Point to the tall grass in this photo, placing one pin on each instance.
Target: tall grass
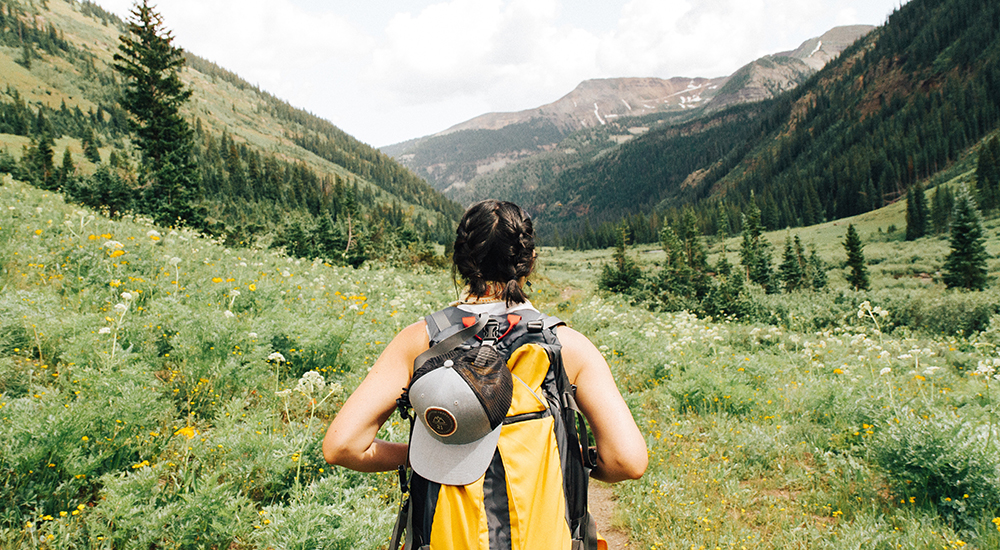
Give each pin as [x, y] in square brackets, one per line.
[160, 390]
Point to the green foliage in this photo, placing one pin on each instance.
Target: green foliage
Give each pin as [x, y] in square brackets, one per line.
[755, 252]
[916, 213]
[154, 94]
[858, 277]
[622, 275]
[942, 464]
[942, 204]
[850, 139]
[105, 190]
[965, 266]
[793, 268]
[988, 174]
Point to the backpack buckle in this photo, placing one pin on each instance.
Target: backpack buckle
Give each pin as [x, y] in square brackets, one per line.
[491, 332]
[535, 326]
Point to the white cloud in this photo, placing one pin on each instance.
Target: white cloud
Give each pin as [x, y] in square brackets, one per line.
[440, 62]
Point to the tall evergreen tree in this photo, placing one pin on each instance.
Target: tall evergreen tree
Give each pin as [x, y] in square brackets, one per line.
[694, 251]
[965, 266]
[622, 274]
[67, 170]
[792, 268]
[90, 146]
[942, 204]
[39, 164]
[916, 212]
[755, 251]
[153, 94]
[816, 270]
[858, 277]
[988, 174]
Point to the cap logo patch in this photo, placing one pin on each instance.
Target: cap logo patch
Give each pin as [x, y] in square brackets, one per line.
[441, 421]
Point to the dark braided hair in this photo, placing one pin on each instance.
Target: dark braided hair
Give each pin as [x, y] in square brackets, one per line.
[495, 247]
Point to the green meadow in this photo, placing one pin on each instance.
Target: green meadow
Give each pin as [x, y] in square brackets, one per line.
[159, 390]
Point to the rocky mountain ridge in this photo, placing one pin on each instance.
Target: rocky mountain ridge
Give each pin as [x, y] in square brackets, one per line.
[615, 109]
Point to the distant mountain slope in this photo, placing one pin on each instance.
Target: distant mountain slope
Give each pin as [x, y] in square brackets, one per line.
[461, 160]
[264, 162]
[895, 108]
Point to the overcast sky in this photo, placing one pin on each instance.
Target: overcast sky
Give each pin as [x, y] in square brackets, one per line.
[389, 70]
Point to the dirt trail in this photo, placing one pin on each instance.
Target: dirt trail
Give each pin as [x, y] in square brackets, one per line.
[601, 500]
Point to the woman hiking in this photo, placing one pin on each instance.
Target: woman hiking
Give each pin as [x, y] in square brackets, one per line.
[496, 455]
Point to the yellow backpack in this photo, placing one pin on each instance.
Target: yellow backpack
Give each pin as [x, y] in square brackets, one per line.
[533, 495]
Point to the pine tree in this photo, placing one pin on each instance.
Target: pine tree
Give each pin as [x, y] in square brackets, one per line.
[722, 266]
[816, 270]
[694, 252]
[39, 164]
[755, 251]
[943, 204]
[792, 269]
[858, 277]
[622, 274]
[68, 168]
[916, 213]
[90, 147]
[965, 266]
[988, 175]
[153, 94]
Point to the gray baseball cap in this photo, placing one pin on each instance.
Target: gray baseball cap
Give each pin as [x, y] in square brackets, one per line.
[460, 400]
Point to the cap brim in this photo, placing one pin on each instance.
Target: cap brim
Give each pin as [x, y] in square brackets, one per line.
[451, 464]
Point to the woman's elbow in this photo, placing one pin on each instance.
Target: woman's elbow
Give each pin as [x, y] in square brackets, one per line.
[335, 451]
[637, 466]
[621, 467]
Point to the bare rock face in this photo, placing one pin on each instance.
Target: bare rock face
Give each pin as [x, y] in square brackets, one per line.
[596, 102]
[453, 158]
[771, 75]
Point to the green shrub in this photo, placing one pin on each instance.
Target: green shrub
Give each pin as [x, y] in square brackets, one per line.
[943, 464]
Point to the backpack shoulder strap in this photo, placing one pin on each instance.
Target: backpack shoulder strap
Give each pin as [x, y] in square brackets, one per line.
[453, 339]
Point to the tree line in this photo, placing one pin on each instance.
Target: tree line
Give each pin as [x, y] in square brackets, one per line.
[184, 175]
[895, 108]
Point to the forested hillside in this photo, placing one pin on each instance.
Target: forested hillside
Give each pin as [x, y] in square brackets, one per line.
[269, 172]
[897, 107]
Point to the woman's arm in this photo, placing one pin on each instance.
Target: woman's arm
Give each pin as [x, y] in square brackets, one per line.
[350, 439]
[621, 449]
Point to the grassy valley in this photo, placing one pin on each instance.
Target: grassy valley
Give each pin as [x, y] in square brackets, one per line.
[158, 388]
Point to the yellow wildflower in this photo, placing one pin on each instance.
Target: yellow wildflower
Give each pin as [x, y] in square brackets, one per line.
[188, 432]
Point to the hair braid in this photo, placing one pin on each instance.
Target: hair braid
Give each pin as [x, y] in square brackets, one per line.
[495, 246]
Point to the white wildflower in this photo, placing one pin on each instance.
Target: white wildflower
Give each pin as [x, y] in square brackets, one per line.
[234, 293]
[229, 314]
[985, 369]
[276, 356]
[884, 371]
[120, 308]
[104, 330]
[905, 356]
[310, 382]
[153, 234]
[174, 261]
[112, 244]
[283, 393]
[126, 296]
[252, 334]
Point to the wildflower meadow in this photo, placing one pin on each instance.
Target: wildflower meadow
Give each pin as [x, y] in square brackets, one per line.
[158, 389]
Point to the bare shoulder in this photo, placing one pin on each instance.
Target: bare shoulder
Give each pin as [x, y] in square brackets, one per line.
[574, 342]
[578, 352]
